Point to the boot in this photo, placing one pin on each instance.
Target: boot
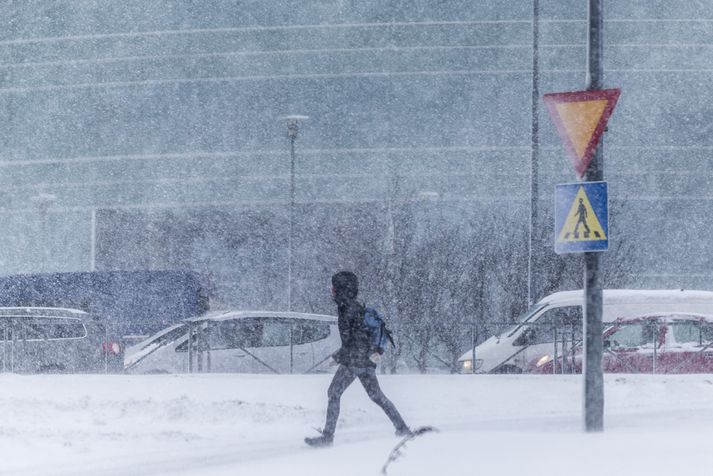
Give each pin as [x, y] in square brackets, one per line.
[324, 439]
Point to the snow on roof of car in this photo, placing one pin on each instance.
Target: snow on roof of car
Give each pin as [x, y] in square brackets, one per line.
[631, 295]
[224, 315]
[669, 317]
[24, 311]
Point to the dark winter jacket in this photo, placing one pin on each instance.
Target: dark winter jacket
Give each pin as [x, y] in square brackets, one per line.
[356, 346]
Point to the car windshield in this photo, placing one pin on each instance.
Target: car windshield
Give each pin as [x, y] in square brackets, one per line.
[524, 317]
[527, 315]
[692, 332]
[166, 337]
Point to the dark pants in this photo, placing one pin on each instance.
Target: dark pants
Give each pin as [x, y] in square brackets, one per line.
[367, 376]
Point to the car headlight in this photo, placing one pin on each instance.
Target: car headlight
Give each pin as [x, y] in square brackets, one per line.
[468, 365]
[543, 360]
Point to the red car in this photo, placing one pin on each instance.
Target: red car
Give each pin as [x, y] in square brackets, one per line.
[670, 343]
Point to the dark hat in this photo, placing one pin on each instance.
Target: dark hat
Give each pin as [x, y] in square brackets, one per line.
[345, 284]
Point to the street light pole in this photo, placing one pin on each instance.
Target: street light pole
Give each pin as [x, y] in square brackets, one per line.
[535, 152]
[93, 242]
[593, 305]
[292, 131]
[44, 201]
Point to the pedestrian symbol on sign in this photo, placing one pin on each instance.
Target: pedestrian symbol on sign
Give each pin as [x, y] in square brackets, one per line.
[581, 217]
[581, 213]
[582, 220]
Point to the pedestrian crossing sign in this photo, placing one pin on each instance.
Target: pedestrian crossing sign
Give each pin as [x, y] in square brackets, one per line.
[581, 217]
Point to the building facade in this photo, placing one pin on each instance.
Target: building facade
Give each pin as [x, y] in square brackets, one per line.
[151, 135]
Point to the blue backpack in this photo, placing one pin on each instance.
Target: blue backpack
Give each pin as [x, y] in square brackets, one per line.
[379, 335]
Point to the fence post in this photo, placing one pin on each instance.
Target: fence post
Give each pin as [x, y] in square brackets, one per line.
[106, 350]
[656, 341]
[4, 347]
[190, 347]
[209, 362]
[12, 349]
[572, 356]
[564, 353]
[292, 346]
[554, 361]
[472, 341]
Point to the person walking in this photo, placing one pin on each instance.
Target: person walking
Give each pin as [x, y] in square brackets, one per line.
[582, 213]
[357, 359]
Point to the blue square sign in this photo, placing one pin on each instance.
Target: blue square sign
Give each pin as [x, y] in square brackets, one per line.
[581, 217]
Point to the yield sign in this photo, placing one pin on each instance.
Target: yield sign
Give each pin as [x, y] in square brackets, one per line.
[580, 118]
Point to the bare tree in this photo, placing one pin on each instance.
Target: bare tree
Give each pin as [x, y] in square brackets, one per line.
[441, 284]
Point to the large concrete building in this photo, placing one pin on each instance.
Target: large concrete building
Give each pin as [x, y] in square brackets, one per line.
[150, 135]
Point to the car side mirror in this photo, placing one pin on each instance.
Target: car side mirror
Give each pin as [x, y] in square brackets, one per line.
[606, 343]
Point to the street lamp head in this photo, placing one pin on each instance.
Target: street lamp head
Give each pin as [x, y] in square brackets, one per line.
[429, 195]
[292, 121]
[43, 199]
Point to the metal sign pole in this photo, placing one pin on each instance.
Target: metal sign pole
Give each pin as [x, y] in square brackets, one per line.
[535, 140]
[592, 371]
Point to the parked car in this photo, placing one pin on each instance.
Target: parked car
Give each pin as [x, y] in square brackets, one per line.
[46, 339]
[239, 341]
[558, 318]
[673, 343]
[130, 303]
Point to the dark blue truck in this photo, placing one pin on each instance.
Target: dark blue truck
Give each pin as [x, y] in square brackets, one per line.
[128, 303]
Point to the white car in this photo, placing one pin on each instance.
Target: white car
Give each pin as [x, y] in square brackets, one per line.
[53, 340]
[241, 342]
[558, 318]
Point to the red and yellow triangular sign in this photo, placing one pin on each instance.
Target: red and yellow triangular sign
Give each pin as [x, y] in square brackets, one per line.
[580, 118]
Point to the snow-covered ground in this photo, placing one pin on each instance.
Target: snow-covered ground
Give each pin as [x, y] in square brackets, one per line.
[212, 425]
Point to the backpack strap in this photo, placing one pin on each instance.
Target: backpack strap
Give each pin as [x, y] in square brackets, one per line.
[389, 334]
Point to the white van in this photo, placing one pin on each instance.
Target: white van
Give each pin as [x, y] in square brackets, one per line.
[239, 342]
[558, 317]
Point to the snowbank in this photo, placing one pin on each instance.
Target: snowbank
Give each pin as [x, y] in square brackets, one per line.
[211, 425]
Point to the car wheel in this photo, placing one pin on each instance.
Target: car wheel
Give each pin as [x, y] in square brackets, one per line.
[51, 368]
